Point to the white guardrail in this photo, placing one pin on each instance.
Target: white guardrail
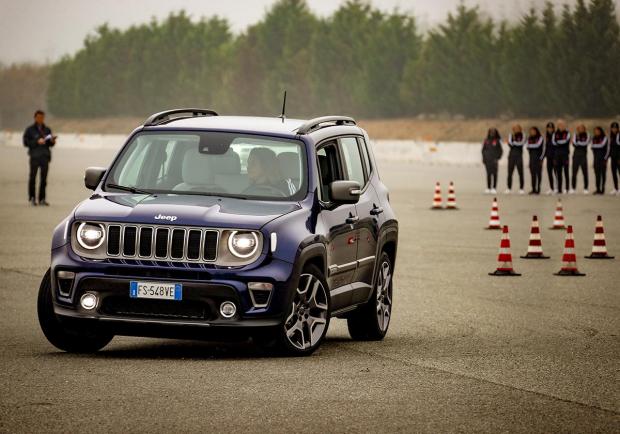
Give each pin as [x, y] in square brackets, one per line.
[461, 153]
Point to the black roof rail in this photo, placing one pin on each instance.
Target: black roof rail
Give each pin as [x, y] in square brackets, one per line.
[315, 124]
[164, 117]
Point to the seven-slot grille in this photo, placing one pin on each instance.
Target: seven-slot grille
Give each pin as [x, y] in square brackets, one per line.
[162, 243]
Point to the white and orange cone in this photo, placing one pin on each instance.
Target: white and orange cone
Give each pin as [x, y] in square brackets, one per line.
[494, 219]
[451, 203]
[534, 247]
[599, 247]
[504, 259]
[437, 203]
[569, 259]
[558, 218]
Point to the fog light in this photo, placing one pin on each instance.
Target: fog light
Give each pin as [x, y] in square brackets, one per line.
[228, 309]
[89, 301]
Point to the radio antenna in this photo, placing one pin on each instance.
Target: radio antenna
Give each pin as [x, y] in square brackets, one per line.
[283, 115]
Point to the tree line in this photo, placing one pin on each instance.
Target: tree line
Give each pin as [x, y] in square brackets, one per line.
[359, 61]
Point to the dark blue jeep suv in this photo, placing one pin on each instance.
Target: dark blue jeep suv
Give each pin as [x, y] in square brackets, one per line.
[218, 227]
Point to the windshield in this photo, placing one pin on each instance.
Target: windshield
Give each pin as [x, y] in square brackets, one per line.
[211, 163]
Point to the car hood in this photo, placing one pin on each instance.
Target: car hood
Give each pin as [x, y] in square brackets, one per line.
[183, 210]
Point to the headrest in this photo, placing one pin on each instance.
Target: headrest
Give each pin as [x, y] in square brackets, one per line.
[289, 164]
[225, 164]
[196, 168]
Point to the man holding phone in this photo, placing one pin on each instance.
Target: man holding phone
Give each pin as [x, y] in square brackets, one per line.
[38, 139]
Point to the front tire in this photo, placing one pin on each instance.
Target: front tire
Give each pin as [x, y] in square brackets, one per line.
[307, 317]
[84, 340]
[370, 322]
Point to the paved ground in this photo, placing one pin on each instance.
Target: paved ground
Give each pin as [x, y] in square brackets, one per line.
[465, 351]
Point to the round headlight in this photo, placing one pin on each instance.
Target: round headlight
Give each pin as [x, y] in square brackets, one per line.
[90, 235]
[242, 244]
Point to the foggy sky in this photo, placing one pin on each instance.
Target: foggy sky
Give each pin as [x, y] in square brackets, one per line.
[42, 31]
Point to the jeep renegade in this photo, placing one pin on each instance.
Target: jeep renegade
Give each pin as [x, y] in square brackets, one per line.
[220, 227]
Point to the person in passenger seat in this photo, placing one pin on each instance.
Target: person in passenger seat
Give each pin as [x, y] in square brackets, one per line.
[264, 173]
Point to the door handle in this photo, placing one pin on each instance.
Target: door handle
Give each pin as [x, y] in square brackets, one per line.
[376, 210]
[352, 219]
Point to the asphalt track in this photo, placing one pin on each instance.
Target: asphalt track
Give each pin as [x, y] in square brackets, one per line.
[465, 351]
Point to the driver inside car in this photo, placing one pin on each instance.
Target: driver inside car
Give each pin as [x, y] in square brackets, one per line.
[264, 173]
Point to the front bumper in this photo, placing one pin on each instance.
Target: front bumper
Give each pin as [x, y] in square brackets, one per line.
[196, 315]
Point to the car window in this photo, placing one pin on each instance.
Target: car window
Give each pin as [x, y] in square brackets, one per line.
[327, 158]
[366, 158]
[213, 163]
[353, 161]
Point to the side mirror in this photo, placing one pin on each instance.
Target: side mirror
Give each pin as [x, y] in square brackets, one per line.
[345, 191]
[92, 177]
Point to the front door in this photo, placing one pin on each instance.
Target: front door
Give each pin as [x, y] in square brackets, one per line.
[357, 168]
[340, 225]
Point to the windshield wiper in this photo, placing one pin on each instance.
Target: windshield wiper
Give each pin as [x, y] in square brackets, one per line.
[129, 189]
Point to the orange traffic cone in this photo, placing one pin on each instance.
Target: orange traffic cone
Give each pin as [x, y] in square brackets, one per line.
[599, 247]
[437, 197]
[505, 257]
[569, 259]
[558, 218]
[494, 219]
[534, 248]
[451, 203]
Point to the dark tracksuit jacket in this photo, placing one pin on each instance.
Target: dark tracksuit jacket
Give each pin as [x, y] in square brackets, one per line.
[515, 157]
[536, 148]
[601, 150]
[491, 153]
[40, 157]
[580, 158]
[614, 155]
[561, 155]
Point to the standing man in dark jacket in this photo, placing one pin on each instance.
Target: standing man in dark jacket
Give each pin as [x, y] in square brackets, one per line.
[38, 139]
[561, 154]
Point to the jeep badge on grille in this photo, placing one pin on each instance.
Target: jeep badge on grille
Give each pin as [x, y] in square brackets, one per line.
[170, 218]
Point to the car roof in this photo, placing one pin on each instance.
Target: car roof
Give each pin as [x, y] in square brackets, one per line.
[273, 125]
[249, 124]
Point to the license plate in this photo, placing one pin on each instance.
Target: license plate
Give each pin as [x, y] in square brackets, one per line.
[156, 290]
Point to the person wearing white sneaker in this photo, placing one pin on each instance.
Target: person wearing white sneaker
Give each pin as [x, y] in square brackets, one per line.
[548, 154]
[601, 150]
[516, 142]
[493, 191]
[581, 140]
[491, 153]
[561, 154]
[487, 191]
[521, 191]
[536, 150]
[507, 191]
[614, 154]
[586, 191]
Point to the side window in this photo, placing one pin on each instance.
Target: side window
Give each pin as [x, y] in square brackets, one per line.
[327, 158]
[366, 158]
[353, 161]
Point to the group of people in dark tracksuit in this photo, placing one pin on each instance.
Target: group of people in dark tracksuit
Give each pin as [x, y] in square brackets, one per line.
[555, 147]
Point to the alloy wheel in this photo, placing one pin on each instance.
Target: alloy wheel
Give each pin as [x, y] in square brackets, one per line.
[384, 296]
[307, 320]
